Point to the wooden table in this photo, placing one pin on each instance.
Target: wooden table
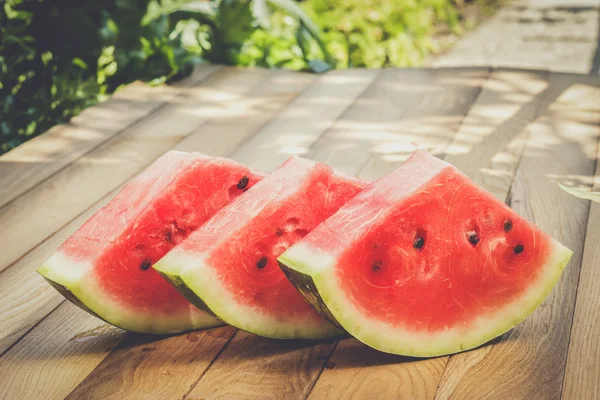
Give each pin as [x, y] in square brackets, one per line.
[515, 132]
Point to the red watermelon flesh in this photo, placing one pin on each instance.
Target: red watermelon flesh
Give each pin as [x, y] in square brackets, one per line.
[104, 267]
[423, 262]
[230, 266]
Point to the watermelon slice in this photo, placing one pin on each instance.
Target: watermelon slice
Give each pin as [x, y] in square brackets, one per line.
[229, 267]
[425, 263]
[104, 267]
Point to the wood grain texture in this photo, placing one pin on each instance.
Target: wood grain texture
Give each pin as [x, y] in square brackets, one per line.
[528, 362]
[356, 371]
[26, 296]
[252, 367]
[53, 358]
[582, 375]
[489, 144]
[26, 166]
[247, 115]
[402, 108]
[294, 130]
[150, 367]
[63, 196]
[243, 117]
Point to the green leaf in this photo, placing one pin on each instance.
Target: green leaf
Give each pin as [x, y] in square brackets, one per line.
[293, 9]
[80, 63]
[319, 66]
[235, 21]
[154, 11]
[581, 193]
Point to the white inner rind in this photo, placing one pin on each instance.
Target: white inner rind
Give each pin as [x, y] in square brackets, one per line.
[76, 276]
[201, 278]
[397, 340]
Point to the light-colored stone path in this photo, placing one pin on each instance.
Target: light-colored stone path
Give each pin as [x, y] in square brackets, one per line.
[555, 35]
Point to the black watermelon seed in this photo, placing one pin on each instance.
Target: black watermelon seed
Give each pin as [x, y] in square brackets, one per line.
[145, 265]
[242, 183]
[507, 225]
[419, 242]
[473, 237]
[168, 236]
[279, 232]
[262, 262]
[519, 249]
[376, 266]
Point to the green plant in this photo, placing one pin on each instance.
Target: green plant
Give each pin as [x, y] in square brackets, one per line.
[378, 33]
[60, 57]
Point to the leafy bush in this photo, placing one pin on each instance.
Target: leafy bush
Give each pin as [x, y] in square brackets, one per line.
[378, 33]
[58, 57]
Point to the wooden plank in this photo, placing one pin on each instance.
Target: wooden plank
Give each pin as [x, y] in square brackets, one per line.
[357, 371]
[582, 375]
[499, 104]
[266, 99]
[403, 107]
[39, 368]
[492, 137]
[147, 367]
[26, 296]
[59, 199]
[529, 361]
[310, 360]
[27, 165]
[249, 115]
[262, 369]
[295, 129]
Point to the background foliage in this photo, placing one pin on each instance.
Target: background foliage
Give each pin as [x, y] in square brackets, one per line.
[58, 57]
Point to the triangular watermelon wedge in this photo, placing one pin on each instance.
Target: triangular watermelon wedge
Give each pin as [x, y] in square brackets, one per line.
[104, 267]
[423, 263]
[228, 266]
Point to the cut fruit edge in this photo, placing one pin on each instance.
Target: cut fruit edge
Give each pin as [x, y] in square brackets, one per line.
[219, 302]
[72, 282]
[306, 264]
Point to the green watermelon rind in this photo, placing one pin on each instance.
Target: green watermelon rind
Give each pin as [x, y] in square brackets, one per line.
[215, 299]
[85, 294]
[302, 259]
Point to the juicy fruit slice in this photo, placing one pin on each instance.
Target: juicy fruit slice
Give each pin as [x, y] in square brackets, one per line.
[229, 266]
[424, 263]
[104, 267]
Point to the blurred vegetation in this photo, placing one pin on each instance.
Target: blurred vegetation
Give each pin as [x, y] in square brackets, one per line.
[58, 57]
